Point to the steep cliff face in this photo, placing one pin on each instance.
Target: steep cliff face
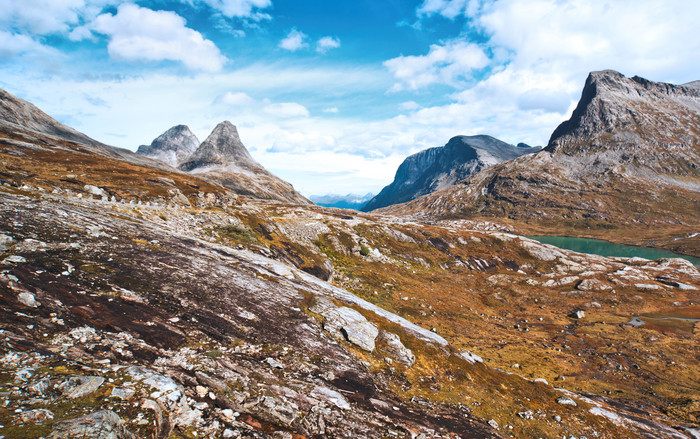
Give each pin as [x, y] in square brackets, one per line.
[634, 122]
[627, 159]
[438, 168]
[172, 147]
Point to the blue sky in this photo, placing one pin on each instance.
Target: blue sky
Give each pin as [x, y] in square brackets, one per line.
[333, 95]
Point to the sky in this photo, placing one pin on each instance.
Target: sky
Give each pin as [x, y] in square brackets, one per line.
[332, 95]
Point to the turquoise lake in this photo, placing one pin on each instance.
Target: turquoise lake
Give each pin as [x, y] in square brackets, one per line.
[605, 248]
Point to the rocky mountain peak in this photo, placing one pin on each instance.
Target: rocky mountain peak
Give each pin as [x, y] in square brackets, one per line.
[438, 168]
[172, 147]
[222, 147]
[632, 116]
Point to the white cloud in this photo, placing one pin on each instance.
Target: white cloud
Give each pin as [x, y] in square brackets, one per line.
[239, 8]
[46, 17]
[327, 43]
[293, 41]
[141, 34]
[331, 110]
[640, 37]
[409, 106]
[447, 8]
[286, 109]
[12, 45]
[238, 99]
[451, 63]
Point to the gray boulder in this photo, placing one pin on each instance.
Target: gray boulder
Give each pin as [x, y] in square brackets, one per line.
[104, 424]
[344, 322]
[396, 349]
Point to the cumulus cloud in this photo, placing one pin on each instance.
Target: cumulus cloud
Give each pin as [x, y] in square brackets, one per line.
[12, 45]
[286, 109]
[44, 17]
[293, 41]
[249, 9]
[331, 110]
[327, 43]
[450, 63]
[238, 99]
[634, 36]
[141, 34]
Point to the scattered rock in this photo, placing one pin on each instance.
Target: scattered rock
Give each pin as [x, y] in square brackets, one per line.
[274, 363]
[122, 393]
[104, 424]
[14, 259]
[35, 416]
[94, 190]
[351, 325]
[396, 349]
[593, 285]
[27, 299]
[79, 386]
[578, 314]
[331, 396]
[542, 252]
[526, 414]
[565, 400]
[470, 357]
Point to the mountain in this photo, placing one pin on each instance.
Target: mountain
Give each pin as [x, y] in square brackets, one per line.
[141, 301]
[223, 158]
[172, 147]
[349, 201]
[623, 167]
[438, 168]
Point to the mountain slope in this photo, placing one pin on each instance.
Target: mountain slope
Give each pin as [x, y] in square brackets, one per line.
[624, 167]
[147, 302]
[438, 168]
[223, 158]
[172, 147]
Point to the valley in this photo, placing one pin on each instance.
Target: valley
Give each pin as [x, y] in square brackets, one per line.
[139, 299]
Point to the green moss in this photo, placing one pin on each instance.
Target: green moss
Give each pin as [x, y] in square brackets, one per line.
[364, 251]
[236, 233]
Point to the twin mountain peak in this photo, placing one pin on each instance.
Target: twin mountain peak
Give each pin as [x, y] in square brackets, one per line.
[221, 157]
[180, 148]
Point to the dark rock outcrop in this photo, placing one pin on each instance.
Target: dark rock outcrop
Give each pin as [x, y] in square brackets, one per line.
[172, 147]
[438, 168]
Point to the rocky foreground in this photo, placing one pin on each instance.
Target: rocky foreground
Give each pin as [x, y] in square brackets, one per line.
[143, 320]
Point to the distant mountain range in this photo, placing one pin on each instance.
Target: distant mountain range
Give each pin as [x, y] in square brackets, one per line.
[628, 159]
[223, 158]
[349, 201]
[439, 168]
